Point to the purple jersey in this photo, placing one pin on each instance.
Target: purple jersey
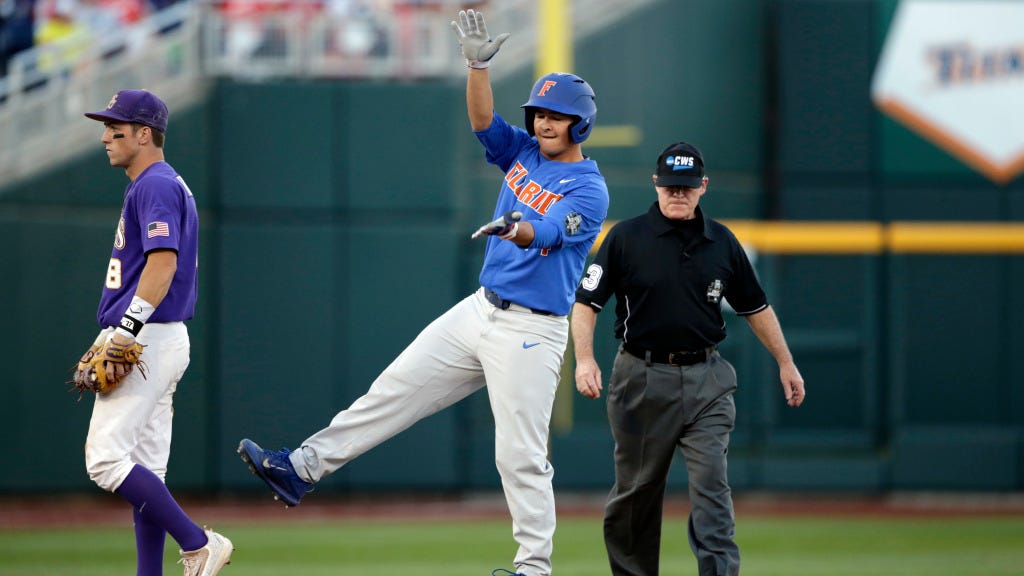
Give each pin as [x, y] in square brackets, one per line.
[566, 202]
[159, 213]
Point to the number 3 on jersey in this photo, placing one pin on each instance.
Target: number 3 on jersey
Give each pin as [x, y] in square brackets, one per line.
[593, 277]
[114, 274]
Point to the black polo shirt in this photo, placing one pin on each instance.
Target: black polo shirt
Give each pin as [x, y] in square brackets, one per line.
[668, 283]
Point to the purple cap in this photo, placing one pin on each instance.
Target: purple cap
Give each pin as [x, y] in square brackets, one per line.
[138, 106]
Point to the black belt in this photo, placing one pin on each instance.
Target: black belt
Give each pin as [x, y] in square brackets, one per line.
[499, 302]
[682, 358]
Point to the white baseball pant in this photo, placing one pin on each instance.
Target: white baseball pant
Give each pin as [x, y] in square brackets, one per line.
[517, 355]
[132, 424]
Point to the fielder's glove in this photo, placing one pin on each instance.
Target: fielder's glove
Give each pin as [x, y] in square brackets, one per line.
[103, 367]
[477, 46]
[505, 227]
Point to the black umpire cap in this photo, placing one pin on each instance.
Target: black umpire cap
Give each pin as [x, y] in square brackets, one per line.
[680, 164]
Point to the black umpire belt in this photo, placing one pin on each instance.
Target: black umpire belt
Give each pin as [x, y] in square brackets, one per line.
[499, 302]
[683, 358]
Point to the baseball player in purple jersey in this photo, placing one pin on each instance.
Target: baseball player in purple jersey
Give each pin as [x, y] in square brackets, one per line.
[149, 291]
[510, 335]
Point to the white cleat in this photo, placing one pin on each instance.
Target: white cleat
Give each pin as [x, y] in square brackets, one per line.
[208, 560]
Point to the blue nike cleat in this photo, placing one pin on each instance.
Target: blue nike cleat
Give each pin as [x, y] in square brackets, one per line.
[276, 470]
[502, 571]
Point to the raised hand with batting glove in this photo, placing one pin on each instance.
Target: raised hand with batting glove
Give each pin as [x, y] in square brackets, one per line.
[477, 45]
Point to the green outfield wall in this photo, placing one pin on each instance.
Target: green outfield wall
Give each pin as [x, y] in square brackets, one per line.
[335, 220]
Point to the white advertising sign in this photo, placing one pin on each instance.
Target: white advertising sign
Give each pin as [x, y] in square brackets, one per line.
[953, 71]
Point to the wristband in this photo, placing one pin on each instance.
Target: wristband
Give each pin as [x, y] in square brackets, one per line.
[135, 317]
[478, 64]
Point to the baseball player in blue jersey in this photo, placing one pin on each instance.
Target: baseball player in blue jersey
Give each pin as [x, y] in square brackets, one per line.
[149, 291]
[510, 335]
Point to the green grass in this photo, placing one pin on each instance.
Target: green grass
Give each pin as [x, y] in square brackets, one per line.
[787, 546]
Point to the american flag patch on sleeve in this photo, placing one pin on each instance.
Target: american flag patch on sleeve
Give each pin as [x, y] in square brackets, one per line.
[157, 229]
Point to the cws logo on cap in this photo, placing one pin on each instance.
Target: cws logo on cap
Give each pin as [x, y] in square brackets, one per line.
[680, 164]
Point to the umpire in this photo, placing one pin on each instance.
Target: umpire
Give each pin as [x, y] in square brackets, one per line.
[669, 270]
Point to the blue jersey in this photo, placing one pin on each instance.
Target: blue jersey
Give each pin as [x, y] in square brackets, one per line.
[566, 202]
[159, 212]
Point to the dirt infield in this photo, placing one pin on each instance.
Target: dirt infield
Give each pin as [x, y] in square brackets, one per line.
[99, 509]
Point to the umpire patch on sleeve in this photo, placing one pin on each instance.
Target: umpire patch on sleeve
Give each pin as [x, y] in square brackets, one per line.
[572, 223]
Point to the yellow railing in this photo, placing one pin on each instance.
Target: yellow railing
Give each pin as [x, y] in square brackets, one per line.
[862, 237]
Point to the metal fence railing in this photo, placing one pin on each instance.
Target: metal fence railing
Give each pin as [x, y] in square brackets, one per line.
[175, 51]
[401, 40]
[397, 40]
[48, 88]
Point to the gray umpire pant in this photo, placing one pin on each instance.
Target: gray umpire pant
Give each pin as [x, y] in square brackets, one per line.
[652, 409]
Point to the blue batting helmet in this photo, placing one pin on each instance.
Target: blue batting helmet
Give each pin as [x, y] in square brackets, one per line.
[565, 94]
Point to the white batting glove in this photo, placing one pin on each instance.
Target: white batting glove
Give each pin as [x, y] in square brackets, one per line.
[477, 46]
[505, 227]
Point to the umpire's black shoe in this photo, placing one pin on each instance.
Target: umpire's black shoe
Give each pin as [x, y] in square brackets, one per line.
[275, 468]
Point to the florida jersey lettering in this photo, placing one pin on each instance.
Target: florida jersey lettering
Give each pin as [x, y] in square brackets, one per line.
[529, 192]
